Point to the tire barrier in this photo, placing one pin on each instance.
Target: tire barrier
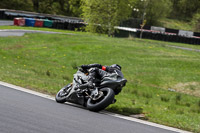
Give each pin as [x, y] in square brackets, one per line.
[56, 24]
[171, 30]
[19, 21]
[39, 23]
[41, 20]
[169, 37]
[29, 22]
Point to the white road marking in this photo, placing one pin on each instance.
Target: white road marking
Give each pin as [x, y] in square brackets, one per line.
[103, 112]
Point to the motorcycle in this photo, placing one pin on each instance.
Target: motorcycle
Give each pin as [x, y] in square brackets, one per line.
[94, 99]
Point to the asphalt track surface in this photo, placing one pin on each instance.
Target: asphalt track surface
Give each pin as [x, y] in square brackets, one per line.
[21, 112]
[16, 32]
[6, 22]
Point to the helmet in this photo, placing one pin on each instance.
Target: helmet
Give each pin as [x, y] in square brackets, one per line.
[116, 66]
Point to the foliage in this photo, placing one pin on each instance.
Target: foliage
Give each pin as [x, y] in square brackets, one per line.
[196, 22]
[103, 15]
[184, 9]
[69, 7]
[17, 4]
[60, 7]
[157, 10]
[151, 10]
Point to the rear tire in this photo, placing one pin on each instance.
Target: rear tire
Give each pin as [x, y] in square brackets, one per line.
[106, 100]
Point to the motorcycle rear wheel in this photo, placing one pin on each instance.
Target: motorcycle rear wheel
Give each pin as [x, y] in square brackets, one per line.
[102, 103]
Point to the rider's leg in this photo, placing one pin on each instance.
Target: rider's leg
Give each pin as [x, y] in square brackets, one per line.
[91, 77]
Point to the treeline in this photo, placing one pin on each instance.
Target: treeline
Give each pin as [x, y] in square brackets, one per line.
[60, 7]
[111, 12]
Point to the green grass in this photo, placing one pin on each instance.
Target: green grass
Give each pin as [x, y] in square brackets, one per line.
[177, 24]
[45, 62]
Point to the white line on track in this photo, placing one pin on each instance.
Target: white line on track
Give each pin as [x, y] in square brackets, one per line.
[103, 112]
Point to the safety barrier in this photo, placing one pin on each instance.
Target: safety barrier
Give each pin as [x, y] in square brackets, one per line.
[169, 37]
[159, 33]
[57, 24]
[42, 20]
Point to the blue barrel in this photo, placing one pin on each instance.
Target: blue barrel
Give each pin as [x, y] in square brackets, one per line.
[30, 22]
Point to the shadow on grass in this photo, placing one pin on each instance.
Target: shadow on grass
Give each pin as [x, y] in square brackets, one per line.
[125, 110]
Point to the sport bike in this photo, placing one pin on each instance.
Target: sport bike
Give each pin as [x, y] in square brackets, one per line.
[94, 99]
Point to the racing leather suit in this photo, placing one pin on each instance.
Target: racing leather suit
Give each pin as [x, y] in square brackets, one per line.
[97, 71]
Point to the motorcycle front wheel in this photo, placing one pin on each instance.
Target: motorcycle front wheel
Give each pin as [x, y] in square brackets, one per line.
[61, 96]
[103, 102]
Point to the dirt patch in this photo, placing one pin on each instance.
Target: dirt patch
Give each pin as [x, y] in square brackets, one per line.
[192, 88]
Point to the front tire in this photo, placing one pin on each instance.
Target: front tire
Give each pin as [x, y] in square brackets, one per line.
[102, 103]
[61, 96]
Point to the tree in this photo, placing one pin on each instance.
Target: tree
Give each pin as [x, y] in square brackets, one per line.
[103, 15]
[60, 7]
[184, 9]
[151, 10]
[17, 4]
[47, 6]
[157, 10]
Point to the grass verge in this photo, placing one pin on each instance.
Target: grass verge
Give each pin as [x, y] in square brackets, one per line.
[177, 24]
[163, 82]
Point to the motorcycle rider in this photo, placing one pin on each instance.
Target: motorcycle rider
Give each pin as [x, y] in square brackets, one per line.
[97, 71]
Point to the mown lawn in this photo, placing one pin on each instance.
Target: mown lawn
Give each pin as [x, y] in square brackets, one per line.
[163, 82]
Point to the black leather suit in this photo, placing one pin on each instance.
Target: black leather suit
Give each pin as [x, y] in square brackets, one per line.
[97, 71]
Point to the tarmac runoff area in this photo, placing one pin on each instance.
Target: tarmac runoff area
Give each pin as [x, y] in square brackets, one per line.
[6, 22]
[6, 33]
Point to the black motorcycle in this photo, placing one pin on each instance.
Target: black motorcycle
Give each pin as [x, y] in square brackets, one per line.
[94, 99]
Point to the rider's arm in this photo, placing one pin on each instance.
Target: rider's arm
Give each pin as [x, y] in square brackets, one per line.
[105, 68]
[95, 65]
[92, 66]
